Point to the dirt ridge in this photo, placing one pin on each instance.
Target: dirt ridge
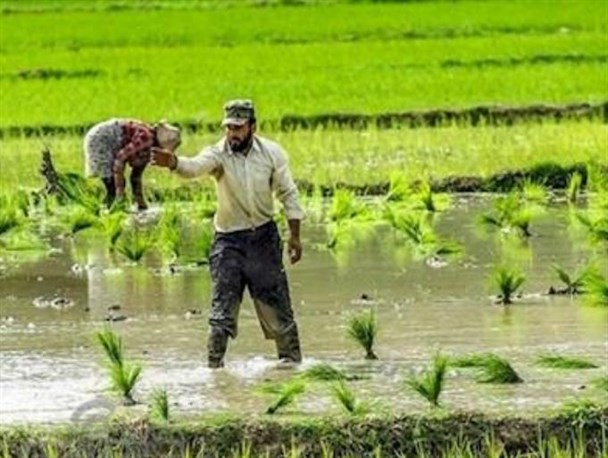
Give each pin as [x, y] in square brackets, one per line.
[474, 116]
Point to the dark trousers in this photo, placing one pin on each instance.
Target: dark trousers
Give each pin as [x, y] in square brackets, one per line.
[253, 259]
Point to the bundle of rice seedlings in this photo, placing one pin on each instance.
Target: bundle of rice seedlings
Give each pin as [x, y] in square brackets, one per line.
[596, 288]
[574, 187]
[133, 244]
[492, 368]
[160, 405]
[122, 375]
[347, 399]
[324, 372]
[564, 362]
[284, 394]
[112, 225]
[363, 329]
[430, 383]
[79, 218]
[573, 282]
[508, 281]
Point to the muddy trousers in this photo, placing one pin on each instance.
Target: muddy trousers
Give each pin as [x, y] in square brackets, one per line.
[252, 259]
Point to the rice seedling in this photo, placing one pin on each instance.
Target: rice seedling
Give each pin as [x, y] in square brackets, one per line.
[425, 199]
[170, 241]
[346, 206]
[78, 219]
[573, 282]
[112, 225]
[346, 398]
[574, 187]
[596, 288]
[160, 405]
[507, 215]
[398, 188]
[203, 241]
[133, 244]
[431, 382]
[363, 329]
[75, 188]
[123, 376]
[323, 372]
[597, 226]
[507, 281]
[493, 369]
[284, 394]
[554, 361]
[8, 220]
[534, 192]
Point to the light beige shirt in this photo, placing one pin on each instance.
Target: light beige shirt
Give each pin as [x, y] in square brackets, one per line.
[245, 183]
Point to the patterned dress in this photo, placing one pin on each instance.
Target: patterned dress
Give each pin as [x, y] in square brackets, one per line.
[127, 139]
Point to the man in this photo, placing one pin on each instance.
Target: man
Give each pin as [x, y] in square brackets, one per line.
[110, 145]
[247, 250]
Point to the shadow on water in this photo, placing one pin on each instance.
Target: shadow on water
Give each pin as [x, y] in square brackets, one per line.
[50, 364]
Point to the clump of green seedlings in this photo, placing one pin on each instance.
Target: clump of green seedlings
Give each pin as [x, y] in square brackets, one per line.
[112, 225]
[507, 281]
[346, 214]
[363, 329]
[554, 361]
[283, 394]
[324, 372]
[430, 383]
[492, 368]
[534, 192]
[159, 409]
[202, 243]
[169, 236]
[123, 376]
[573, 189]
[74, 189]
[508, 215]
[420, 234]
[133, 244]
[596, 288]
[78, 219]
[425, 199]
[573, 283]
[346, 398]
[596, 225]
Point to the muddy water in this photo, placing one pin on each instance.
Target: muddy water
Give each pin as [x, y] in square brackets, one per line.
[51, 370]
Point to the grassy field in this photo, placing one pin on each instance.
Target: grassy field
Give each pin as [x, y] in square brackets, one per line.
[73, 67]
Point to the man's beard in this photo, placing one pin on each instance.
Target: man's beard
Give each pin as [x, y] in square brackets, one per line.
[241, 146]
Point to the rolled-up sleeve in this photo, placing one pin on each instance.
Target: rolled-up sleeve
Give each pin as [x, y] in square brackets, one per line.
[285, 188]
[206, 162]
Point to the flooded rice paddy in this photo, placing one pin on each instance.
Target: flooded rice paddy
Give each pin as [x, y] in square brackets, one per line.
[51, 370]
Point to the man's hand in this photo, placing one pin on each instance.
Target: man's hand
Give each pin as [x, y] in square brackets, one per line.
[163, 158]
[295, 249]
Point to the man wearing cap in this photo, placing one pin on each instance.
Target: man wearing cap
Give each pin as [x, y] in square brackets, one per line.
[247, 251]
[110, 145]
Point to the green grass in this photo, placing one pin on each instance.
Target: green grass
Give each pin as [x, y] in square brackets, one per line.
[554, 361]
[134, 244]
